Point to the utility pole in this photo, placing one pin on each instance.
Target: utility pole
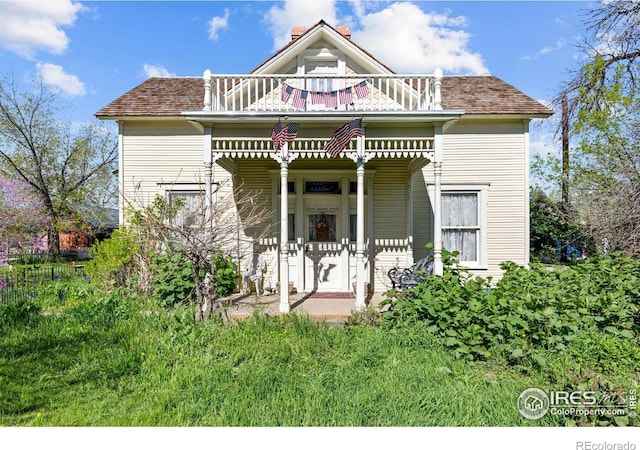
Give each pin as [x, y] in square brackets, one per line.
[564, 244]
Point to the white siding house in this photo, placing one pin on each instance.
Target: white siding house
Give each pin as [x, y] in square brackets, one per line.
[440, 159]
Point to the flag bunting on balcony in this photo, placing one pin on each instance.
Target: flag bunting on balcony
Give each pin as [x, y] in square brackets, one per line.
[280, 135]
[342, 136]
[330, 99]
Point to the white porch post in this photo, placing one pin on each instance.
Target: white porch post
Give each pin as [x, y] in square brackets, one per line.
[437, 202]
[360, 278]
[284, 230]
[207, 158]
[410, 220]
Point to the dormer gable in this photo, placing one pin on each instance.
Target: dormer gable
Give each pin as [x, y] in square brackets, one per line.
[322, 42]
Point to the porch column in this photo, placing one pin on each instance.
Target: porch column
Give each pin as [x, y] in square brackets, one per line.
[437, 202]
[410, 220]
[360, 278]
[207, 158]
[284, 230]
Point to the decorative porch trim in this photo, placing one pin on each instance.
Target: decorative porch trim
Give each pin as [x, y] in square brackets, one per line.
[313, 148]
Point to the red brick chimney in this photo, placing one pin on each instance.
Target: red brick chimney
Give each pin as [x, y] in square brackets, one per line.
[344, 30]
[297, 31]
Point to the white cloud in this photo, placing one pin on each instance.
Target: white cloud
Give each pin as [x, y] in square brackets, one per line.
[152, 71]
[408, 39]
[29, 26]
[402, 35]
[560, 44]
[54, 75]
[280, 20]
[218, 23]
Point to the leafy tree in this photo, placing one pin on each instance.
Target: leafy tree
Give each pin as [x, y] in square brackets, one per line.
[604, 112]
[607, 162]
[551, 227]
[65, 164]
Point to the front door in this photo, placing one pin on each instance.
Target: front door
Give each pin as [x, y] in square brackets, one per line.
[323, 250]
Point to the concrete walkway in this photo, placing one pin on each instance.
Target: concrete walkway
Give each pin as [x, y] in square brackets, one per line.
[330, 310]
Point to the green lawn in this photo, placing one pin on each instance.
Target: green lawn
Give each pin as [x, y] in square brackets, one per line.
[105, 363]
[98, 360]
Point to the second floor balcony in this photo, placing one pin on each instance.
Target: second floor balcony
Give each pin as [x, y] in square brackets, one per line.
[288, 93]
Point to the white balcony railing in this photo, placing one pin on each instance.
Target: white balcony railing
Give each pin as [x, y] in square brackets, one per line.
[290, 93]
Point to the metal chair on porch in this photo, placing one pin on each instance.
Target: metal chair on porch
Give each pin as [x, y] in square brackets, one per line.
[410, 277]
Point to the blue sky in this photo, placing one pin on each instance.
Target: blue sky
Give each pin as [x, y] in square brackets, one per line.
[94, 51]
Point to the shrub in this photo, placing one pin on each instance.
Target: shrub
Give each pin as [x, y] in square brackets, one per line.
[528, 312]
[173, 280]
[113, 260]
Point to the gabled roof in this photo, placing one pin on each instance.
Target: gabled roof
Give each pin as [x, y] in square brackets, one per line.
[331, 34]
[484, 95]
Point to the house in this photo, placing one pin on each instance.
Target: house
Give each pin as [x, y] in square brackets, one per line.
[441, 159]
[78, 235]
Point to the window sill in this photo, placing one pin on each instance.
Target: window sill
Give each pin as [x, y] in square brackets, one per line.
[473, 266]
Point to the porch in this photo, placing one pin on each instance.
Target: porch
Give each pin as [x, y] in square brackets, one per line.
[328, 308]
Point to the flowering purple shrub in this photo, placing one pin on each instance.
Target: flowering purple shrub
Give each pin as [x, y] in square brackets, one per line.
[23, 216]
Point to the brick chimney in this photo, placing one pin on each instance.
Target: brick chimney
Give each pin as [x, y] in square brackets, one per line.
[297, 31]
[344, 30]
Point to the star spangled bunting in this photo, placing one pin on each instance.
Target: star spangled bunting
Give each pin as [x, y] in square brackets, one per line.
[286, 92]
[281, 135]
[362, 90]
[346, 98]
[342, 136]
[331, 99]
[317, 98]
[300, 98]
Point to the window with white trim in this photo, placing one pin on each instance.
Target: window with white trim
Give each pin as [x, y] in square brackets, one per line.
[464, 223]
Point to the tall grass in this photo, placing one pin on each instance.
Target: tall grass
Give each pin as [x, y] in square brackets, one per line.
[106, 361]
[80, 357]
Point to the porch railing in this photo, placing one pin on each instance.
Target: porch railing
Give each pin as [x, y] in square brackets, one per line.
[354, 92]
[313, 147]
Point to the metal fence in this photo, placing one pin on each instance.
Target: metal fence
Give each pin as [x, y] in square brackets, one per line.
[23, 282]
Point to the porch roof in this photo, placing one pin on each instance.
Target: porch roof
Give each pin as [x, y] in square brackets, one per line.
[475, 95]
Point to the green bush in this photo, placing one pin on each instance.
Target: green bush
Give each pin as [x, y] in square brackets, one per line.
[225, 274]
[528, 312]
[113, 264]
[173, 279]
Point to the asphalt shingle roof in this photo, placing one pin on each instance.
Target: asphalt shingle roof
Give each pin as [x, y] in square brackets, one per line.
[157, 97]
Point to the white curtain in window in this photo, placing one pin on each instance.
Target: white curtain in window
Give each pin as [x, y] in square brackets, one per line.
[463, 241]
[459, 211]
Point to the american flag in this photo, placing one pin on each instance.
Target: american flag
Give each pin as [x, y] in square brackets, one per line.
[342, 136]
[346, 98]
[300, 98]
[286, 92]
[317, 98]
[281, 135]
[331, 99]
[362, 90]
